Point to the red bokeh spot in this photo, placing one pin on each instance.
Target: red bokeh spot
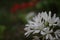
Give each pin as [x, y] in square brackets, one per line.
[24, 5]
[31, 4]
[15, 8]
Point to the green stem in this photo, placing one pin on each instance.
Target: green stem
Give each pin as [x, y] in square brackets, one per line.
[43, 38]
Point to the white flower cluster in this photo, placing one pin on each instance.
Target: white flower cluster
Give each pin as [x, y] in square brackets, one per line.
[44, 24]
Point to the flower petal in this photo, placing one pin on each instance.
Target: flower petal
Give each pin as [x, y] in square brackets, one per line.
[36, 31]
[44, 15]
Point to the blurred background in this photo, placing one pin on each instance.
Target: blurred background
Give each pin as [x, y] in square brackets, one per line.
[13, 13]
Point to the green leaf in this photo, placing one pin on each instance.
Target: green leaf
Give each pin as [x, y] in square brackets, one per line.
[39, 5]
[2, 28]
[22, 16]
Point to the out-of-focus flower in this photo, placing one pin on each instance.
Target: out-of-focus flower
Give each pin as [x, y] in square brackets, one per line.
[29, 16]
[57, 34]
[43, 24]
[51, 20]
[15, 8]
[35, 26]
[46, 32]
[31, 4]
[58, 24]
[24, 5]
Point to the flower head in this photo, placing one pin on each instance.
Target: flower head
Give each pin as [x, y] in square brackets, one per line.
[57, 34]
[35, 25]
[43, 24]
[47, 33]
[51, 20]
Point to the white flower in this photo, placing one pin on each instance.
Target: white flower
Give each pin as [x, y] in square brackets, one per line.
[29, 31]
[58, 24]
[46, 32]
[57, 34]
[41, 24]
[30, 15]
[35, 26]
[51, 20]
[37, 18]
